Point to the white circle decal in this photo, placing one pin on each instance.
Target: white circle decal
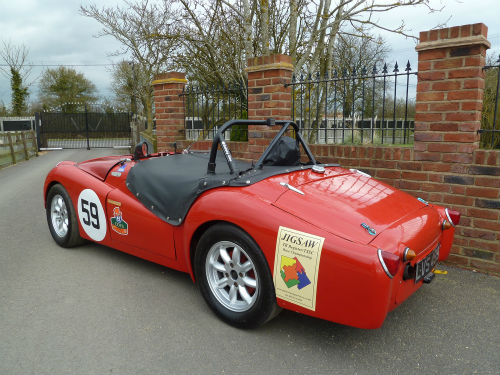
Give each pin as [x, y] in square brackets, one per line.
[91, 215]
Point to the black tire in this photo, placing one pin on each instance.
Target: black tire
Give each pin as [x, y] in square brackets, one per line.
[71, 236]
[249, 307]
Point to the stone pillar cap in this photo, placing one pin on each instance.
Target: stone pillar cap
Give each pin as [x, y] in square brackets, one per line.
[269, 62]
[170, 77]
[456, 36]
[456, 42]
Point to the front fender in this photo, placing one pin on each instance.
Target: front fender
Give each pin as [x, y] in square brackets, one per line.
[74, 180]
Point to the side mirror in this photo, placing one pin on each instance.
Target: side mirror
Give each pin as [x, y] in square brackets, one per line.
[141, 150]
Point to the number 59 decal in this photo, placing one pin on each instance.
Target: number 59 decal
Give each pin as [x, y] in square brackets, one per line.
[91, 215]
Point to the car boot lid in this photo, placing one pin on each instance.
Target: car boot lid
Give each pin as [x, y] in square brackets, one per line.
[346, 203]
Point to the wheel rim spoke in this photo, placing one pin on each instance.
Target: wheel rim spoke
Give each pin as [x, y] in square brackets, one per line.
[244, 294]
[225, 255]
[232, 294]
[222, 283]
[247, 266]
[252, 283]
[236, 255]
[218, 266]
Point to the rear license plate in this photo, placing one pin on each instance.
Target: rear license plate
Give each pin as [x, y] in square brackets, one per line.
[426, 265]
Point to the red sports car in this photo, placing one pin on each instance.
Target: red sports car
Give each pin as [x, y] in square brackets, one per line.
[283, 232]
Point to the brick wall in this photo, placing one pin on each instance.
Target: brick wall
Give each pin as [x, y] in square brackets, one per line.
[444, 166]
[473, 189]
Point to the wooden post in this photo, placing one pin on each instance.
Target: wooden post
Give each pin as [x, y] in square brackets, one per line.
[25, 148]
[12, 153]
[35, 145]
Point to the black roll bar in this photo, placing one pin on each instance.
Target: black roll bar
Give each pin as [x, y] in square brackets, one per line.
[269, 122]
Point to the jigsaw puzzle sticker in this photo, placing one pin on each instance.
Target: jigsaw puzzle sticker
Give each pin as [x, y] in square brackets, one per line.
[296, 266]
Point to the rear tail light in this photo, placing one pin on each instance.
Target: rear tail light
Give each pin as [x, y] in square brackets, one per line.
[453, 216]
[390, 262]
[446, 225]
[408, 255]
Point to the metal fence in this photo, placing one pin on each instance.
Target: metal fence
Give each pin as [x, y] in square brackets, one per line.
[356, 106]
[86, 129]
[209, 107]
[490, 120]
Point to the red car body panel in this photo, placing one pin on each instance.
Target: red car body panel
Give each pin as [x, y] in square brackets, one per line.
[352, 286]
[99, 168]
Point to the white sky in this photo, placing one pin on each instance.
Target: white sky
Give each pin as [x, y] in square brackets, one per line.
[56, 33]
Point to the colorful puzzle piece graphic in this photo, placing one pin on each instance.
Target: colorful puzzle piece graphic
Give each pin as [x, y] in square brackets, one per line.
[293, 273]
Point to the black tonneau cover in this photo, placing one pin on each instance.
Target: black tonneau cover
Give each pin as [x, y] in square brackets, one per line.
[169, 185]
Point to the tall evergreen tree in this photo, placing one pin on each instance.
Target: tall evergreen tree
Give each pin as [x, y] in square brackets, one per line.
[17, 70]
[19, 93]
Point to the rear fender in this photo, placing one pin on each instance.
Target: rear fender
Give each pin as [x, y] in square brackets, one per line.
[354, 279]
[208, 210]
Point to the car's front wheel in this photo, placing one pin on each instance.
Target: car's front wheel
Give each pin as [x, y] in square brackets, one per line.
[61, 217]
[234, 277]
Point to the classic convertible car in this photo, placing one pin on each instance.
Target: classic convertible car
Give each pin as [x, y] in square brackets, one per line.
[283, 232]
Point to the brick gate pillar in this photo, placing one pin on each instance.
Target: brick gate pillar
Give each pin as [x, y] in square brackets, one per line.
[450, 93]
[448, 115]
[169, 108]
[267, 97]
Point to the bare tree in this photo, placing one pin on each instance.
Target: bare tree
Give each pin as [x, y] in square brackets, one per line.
[211, 40]
[307, 31]
[15, 67]
[137, 26]
[132, 87]
[490, 100]
[212, 52]
[358, 56]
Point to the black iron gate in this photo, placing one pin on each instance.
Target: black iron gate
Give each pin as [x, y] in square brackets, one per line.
[209, 107]
[84, 130]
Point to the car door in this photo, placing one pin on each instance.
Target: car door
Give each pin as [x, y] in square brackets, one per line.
[131, 224]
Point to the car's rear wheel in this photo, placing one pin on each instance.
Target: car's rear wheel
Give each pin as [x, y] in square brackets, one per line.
[61, 217]
[234, 277]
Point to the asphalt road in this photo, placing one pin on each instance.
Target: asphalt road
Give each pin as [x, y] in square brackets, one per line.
[94, 310]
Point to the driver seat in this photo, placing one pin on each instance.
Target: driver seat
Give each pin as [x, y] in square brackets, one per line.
[285, 152]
